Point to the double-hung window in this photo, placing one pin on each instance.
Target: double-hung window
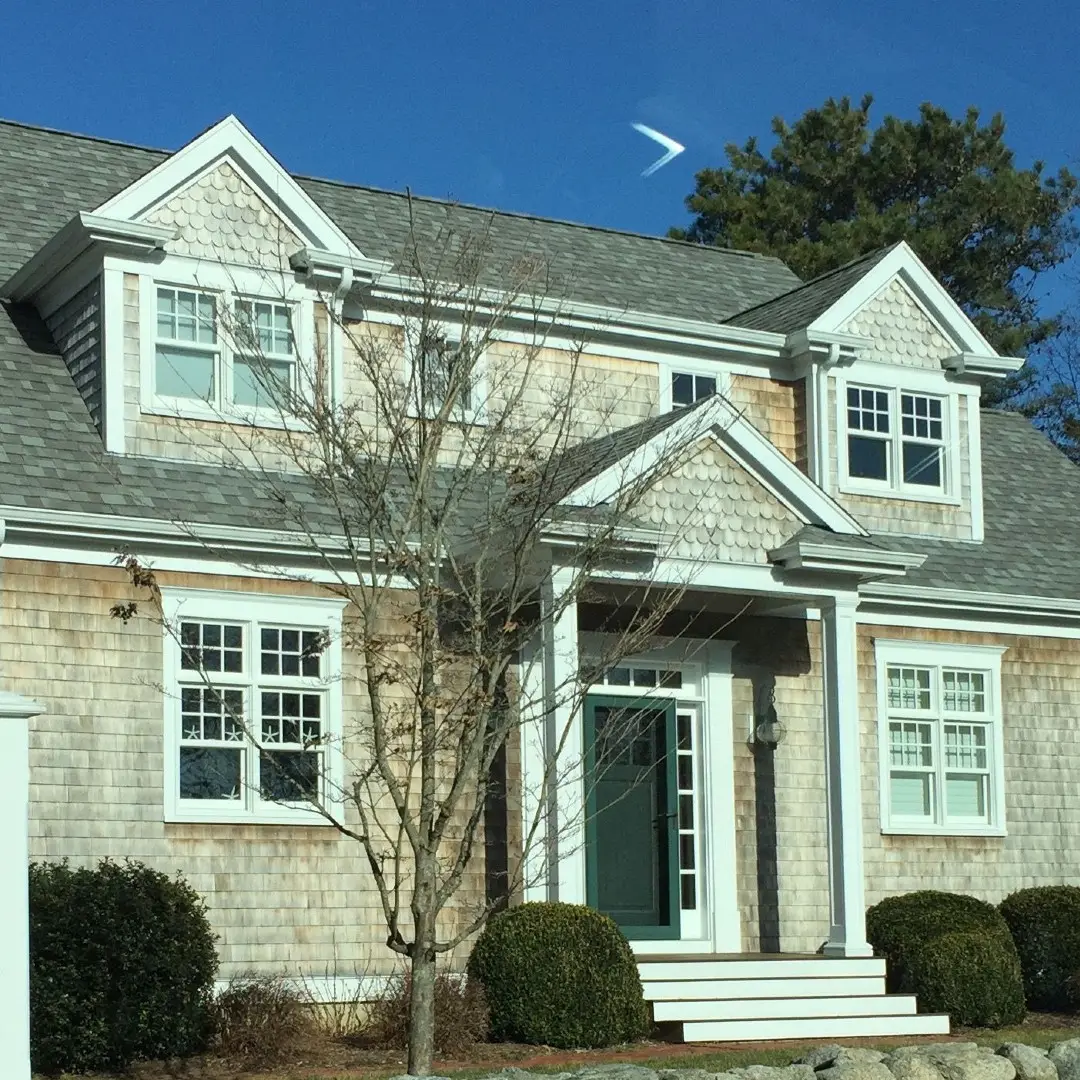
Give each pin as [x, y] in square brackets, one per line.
[687, 388]
[220, 353]
[252, 706]
[442, 364]
[896, 439]
[940, 738]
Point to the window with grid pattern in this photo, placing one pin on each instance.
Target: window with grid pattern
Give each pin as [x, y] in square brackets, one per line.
[940, 734]
[251, 693]
[895, 439]
[687, 389]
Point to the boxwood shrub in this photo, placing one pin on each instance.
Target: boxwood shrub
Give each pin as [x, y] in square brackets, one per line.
[1045, 924]
[899, 926]
[122, 965]
[971, 975]
[559, 975]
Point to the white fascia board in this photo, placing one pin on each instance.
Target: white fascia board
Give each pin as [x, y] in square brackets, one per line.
[550, 312]
[83, 232]
[962, 600]
[745, 444]
[983, 366]
[812, 555]
[230, 139]
[932, 295]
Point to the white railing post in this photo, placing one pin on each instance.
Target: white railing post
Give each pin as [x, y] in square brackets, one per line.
[15, 714]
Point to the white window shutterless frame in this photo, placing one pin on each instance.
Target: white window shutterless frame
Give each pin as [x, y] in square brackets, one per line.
[941, 744]
[253, 707]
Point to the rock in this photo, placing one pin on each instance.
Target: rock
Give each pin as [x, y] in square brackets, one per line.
[771, 1072]
[1065, 1057]
[617, 1070]
[952, 1061]
[824, 1057]
[855, 1070]
[683, 1074]
[1030, 1062]
[912, 1067]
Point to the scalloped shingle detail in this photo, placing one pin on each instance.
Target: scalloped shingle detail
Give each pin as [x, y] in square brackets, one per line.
[901, 331]
[221, 217]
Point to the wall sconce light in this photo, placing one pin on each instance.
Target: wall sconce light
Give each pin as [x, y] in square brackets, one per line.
[769, 730]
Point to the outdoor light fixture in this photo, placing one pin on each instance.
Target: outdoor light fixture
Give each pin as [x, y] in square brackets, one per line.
[769, 731]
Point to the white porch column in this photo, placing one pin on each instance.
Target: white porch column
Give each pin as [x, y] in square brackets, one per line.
[565, 737]
[847, 892]
[15, 712]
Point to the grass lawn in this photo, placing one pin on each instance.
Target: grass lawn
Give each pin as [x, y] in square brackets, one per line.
[323, 1058]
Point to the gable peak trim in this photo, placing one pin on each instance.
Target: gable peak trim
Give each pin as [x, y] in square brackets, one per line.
[229, 140]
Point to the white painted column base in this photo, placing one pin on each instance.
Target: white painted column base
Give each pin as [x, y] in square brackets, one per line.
[15, 712]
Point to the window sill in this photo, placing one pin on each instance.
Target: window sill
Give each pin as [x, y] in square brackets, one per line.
[873, 492]
[949, 830]
[249, 418]
[219, 816]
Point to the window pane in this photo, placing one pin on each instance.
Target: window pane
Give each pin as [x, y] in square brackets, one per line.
[908, 688]
[685, 769]
[184, 373]
[682, 390]
[911, 794]
[704, 386]
[262, 383]
[644, 677]
[688, 892]
[868, 410]
[963, 691]
[289, 775]
[910, 744]
[965, 796]
[211, 647]
[868, 458]
[671, 680]
[686, 812]
[208, 772]
[685, 731]
[965, 746]
[686, 851]
[619, 676]
[922, 464]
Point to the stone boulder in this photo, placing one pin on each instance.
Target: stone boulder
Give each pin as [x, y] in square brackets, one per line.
[770, 1072]
[1065, 1057]
[825, 1057]
[952, 1061]
[1030, 1062]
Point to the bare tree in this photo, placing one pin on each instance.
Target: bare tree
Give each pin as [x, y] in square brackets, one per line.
[431, 496]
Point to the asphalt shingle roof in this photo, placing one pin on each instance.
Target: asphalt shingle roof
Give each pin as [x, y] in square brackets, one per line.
[798, 308]
[47, 176]
[52, 457]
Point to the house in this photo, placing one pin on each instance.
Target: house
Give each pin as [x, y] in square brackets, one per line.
[888, 703]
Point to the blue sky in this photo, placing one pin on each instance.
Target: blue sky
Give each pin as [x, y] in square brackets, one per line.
[528, 106]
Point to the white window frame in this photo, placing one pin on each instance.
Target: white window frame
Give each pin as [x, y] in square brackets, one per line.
[985, 659]
[252, 610]
[228, 285]
[670, 368]
[895, 384]
[475, 413]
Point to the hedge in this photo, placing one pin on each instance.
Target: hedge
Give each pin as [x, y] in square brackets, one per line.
[122, 964]
[1045, 925]
[559, 975]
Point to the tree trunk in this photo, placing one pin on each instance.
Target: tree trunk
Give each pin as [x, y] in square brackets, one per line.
[422, 994]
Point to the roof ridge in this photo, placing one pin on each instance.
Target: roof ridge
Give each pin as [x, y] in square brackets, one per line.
[521, 214]
[5, 122]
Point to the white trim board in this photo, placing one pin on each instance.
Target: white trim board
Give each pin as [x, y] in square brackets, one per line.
[230, 140]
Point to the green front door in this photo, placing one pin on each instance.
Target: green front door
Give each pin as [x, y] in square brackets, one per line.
[631, 826]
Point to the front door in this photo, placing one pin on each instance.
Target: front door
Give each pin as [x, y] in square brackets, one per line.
[631, 827]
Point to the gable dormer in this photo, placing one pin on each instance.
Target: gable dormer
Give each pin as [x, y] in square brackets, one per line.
[136, 290]
[893, 370]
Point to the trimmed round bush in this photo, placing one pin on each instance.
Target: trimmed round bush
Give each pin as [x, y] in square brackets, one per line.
[122, 965]
[900, 926]
[1045, 925]
[971, 975]
[559, 975]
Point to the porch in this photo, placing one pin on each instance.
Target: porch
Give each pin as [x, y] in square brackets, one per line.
[653, 838]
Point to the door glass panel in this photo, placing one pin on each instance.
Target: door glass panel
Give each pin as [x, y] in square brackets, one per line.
[684, 726]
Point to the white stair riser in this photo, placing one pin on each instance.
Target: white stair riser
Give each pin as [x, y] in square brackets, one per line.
[821, 1028]
[672, 970]
[783, 1009]
[731, 989]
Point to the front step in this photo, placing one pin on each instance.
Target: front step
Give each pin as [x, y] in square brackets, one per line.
[818, 1028]
[761, 998]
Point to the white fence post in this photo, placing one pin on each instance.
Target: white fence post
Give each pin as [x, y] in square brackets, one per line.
[15, 714]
